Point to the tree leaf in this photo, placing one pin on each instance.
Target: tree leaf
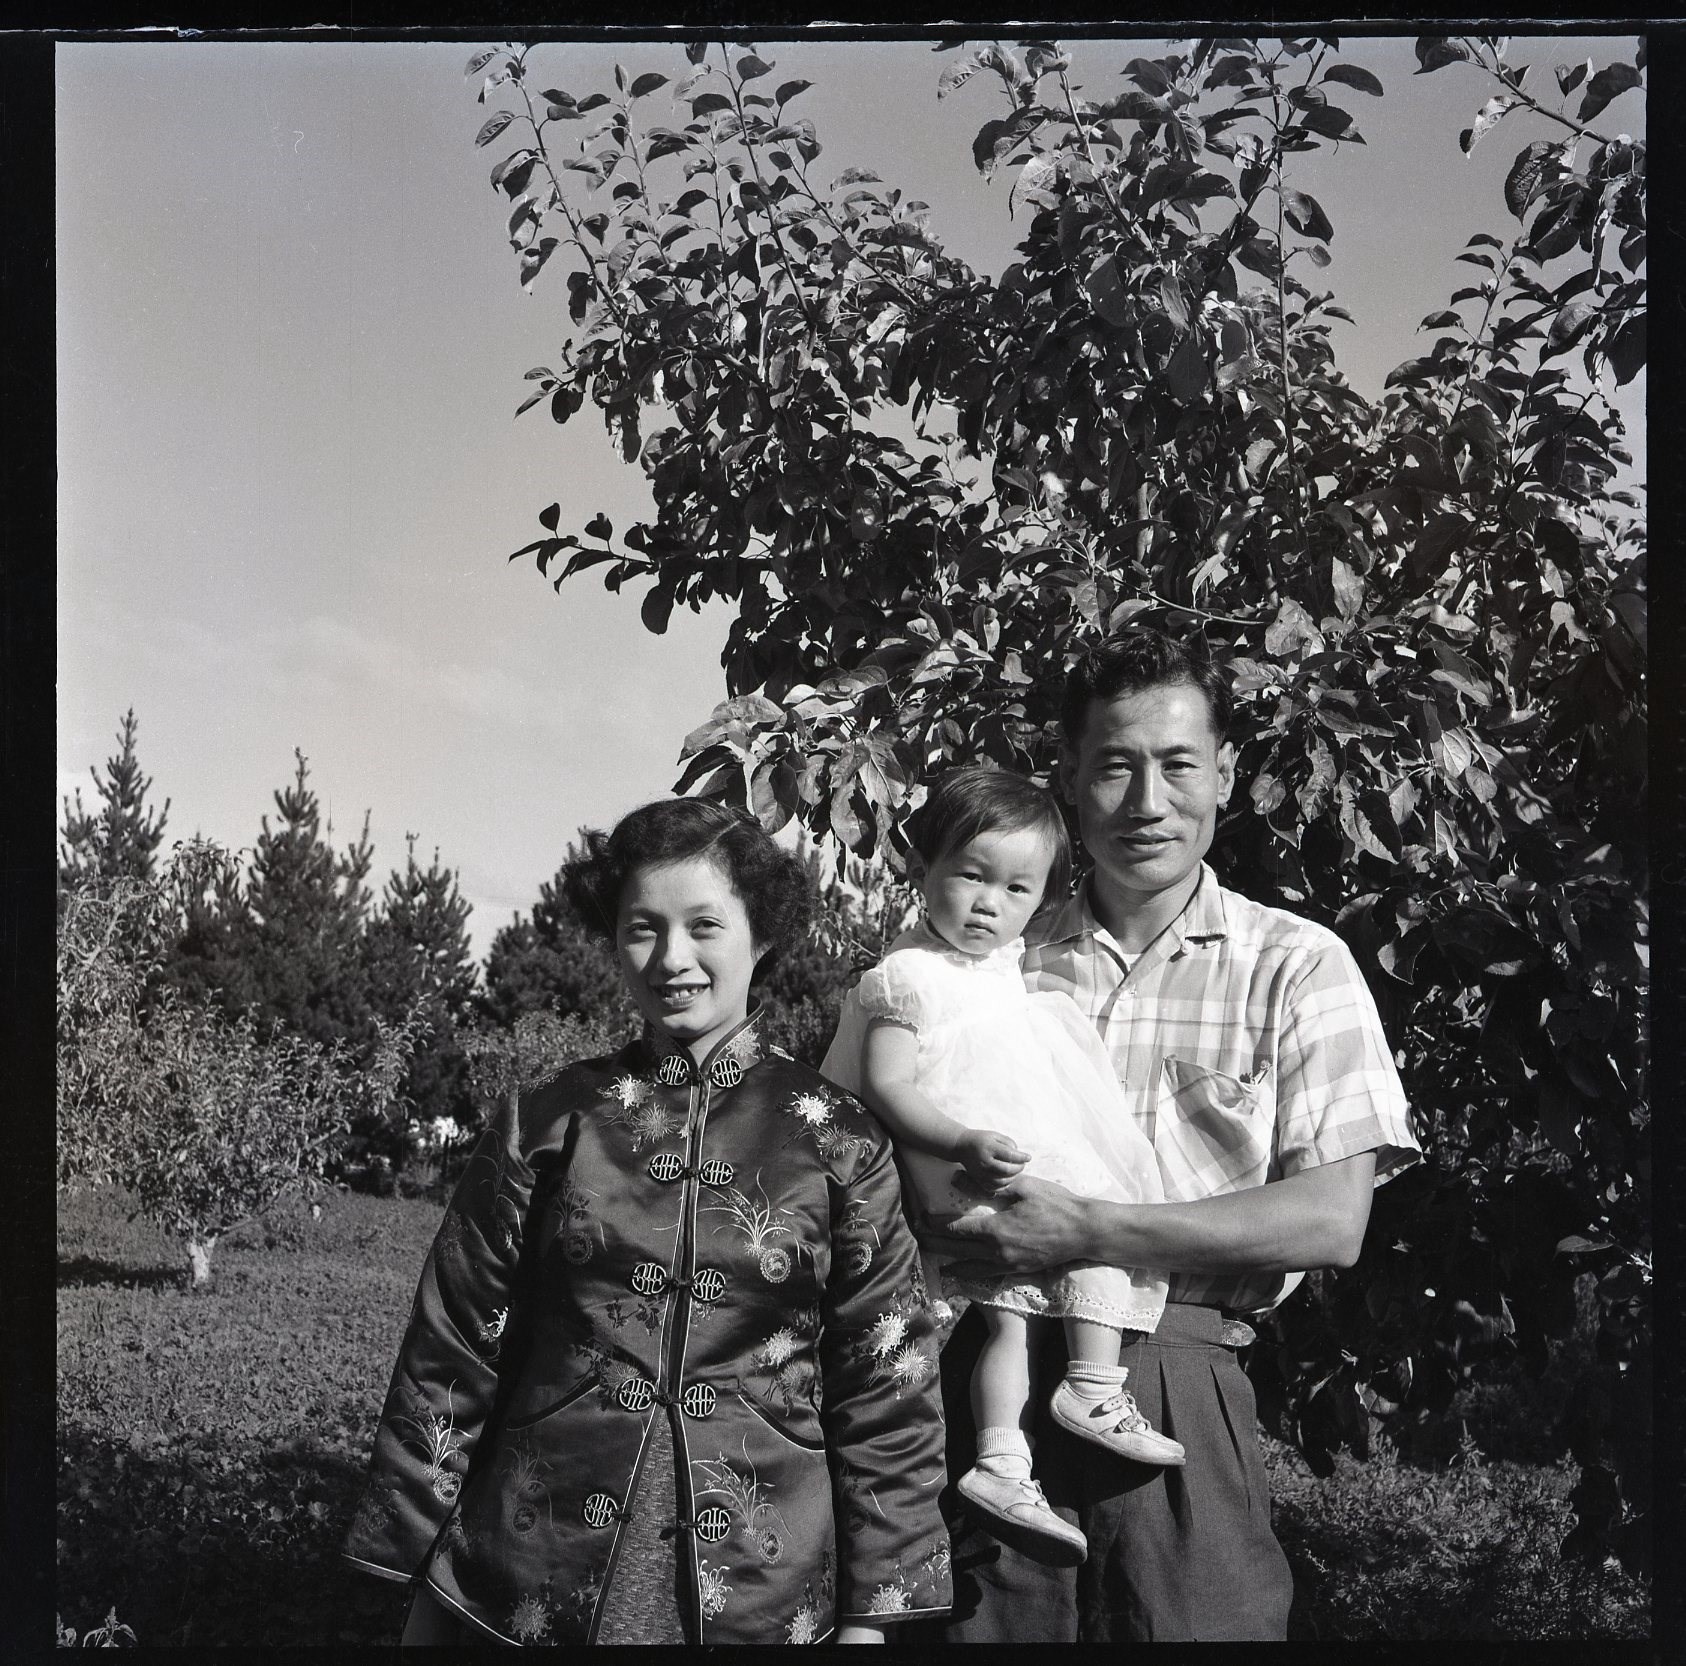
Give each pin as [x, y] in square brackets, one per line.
[788, 90]
[1436, 51]
[1626, 349]
[1306, 215]
[1491, 113]
[656, 608]
[1347, 586]
[1607, 84]
[1569, 326]
[647, 83]
[1527, 175]
[1331, 121]
[600, 526]
[1188, 370]
[478, 62]
[1351, 75]
[1107, 292]
[534, 257]
[493, 126]
[957, 75]
[750, 67]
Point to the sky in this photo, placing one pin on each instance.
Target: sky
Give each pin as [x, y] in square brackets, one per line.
[291, 342]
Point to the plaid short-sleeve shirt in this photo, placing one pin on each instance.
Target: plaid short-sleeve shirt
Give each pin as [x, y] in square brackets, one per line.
[1248, 1047]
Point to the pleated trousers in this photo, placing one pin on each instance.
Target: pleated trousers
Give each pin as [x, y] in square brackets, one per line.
[1183, 1554]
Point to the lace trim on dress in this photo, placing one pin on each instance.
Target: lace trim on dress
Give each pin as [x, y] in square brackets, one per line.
[1063, 1301]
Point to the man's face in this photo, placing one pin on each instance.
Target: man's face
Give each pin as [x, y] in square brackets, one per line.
[1147, 779]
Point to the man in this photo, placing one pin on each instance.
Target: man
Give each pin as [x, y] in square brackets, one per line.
[1250, 1051]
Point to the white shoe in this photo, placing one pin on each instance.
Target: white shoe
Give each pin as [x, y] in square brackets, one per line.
[1117, 1424]
[1017, 1502]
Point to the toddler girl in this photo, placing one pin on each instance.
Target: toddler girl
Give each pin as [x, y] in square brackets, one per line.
[964, 1065]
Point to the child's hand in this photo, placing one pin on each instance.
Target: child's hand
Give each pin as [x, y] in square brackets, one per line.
[990, 1159]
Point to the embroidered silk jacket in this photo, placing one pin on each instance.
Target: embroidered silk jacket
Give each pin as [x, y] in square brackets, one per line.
[719, 1247]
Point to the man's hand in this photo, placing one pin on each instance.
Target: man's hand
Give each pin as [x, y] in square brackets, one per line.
[990, 1160]
[1035, 1225]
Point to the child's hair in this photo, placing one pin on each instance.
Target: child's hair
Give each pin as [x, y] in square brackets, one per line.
[772, 885]
[963, 803]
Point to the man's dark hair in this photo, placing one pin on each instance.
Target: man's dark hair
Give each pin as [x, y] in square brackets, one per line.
[982, 799]
[1136, 658]
[772, 885]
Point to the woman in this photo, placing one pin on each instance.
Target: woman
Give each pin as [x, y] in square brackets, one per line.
[670, 1374]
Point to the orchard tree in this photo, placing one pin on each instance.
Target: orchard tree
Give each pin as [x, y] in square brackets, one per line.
[200, 1116]
[119, 839]
[1432, 603]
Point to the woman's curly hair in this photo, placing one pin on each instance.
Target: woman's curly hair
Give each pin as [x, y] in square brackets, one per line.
[773, 886]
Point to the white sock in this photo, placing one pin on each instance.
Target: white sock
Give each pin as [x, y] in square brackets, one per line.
[1091, 1381]
[1004, 1451]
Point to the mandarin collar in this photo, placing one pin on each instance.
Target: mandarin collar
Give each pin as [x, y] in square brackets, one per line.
[672, 1064]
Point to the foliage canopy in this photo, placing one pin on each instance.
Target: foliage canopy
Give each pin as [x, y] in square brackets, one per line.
[1432, 602]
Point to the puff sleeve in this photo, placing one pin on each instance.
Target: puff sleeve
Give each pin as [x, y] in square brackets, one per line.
[892, 990]
[446, 1376]
[882, 1405]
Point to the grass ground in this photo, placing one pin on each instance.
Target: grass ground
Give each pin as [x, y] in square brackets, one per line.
[211, 1446]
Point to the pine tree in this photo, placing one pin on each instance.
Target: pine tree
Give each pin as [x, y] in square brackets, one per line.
[421, 962]
[120, 839]
[552, 963]
[298, 955]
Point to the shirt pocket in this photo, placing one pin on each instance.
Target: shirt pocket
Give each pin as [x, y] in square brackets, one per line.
[1214, 1132]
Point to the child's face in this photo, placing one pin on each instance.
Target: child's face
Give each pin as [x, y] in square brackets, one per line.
[686, 951]
[981, 894]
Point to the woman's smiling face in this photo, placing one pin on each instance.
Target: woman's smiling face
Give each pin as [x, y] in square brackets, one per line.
[686, 951]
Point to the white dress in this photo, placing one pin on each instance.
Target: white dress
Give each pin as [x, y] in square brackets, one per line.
[995, 1056]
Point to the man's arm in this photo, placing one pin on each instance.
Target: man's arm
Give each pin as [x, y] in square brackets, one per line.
[1315, 1218]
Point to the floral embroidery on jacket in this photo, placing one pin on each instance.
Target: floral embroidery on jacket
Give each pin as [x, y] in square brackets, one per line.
[888, 1352]
[490, 1331]
[610, 1372]
[745, 1498]
[937, 1561]
[890, 1599]
[526, 1490]
[572, 1207]
[816, 1113]
[642, 1110]
[853, 1232]
[647, 1311]
[712, 1586]
[804, 1625]
[439, 1440]
[582, 1600]
[530, 1619]
[757, 1225]
[776, 1357]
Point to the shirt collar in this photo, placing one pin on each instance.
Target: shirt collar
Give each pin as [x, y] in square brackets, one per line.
[1203, 917]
